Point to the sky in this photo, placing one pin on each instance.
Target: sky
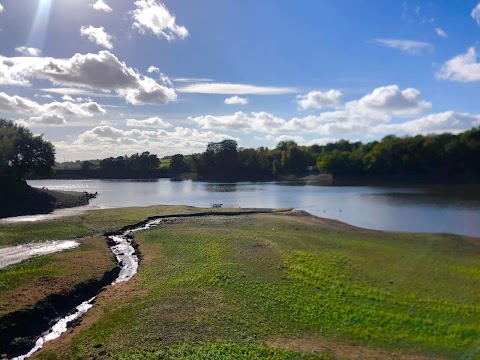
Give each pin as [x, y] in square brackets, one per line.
[101, 78]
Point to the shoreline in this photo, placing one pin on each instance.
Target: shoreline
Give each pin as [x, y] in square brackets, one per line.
[28, 200]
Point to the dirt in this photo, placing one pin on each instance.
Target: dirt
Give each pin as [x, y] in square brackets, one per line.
[79, 267]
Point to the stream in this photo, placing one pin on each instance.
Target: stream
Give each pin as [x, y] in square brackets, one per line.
[127, 256]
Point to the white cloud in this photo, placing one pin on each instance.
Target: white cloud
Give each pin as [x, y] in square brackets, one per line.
[154, 122]
[373, 109]
[77, 91]
[448, 121]
[107, 141]
[192, 80]
[440, 32]
[98, 36]
[319, 100]
[298, 139]
[236, 100]
[153, 69]
[28, 51]
[235, 89]
[1, 8]
[20, 105]
[476, 14]
[155, 17]
[393, 100]
[48, 119]
[68, 98]
[409, 46]
[241, 122]
[102, 71]
[463, 68]
[10, 76]
[48, 96]
[100, 5]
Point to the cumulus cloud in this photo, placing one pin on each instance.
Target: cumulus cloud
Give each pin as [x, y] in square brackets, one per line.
[20, 105]
[98, 36]
[68, 98]
[409, 46]
[235, 89]
[463, 68]
[28, 51]
[153, 16]
[100, 5]
[102, 71]
[48, 119]
[10, 76]
[153, 69]
[393, 100]
[154, 122]
[236, 100]
[476, 14]
[240, 121]
[319, 100]
[375, 108]
[1, 8]
[440, 32]
[448, 121]
[109, 141]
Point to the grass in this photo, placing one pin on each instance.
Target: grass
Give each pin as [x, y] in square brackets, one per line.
[229, 287]
[74, 227]
[16, 275]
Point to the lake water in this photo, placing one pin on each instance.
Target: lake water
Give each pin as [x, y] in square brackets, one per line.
[382, 208]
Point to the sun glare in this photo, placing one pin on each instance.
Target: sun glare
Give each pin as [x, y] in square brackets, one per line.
[38, 32]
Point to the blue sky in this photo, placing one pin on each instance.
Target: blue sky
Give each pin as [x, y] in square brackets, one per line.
[103, 78]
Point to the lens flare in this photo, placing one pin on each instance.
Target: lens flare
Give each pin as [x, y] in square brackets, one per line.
[38, 32]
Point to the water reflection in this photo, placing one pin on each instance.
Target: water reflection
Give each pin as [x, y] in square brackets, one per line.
[230, 188]
[451, 209]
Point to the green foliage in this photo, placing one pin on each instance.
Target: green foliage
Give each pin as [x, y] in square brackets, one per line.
[142, 163]
[444, 154]
[178, 163]
[22, 153]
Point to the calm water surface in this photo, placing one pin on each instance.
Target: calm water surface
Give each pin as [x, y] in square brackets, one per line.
[382, 208]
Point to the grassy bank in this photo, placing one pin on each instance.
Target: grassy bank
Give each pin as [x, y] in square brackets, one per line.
[282, 287]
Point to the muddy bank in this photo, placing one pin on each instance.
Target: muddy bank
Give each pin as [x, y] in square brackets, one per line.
[19, 330]
[25, 200]
[16, 254]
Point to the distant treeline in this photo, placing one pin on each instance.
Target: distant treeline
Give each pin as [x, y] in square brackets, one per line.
[144, 165]
[437, 156]
[444, 155]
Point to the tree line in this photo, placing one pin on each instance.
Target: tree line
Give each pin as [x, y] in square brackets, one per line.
[431, 155]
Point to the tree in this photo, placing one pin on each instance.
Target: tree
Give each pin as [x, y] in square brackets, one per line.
[178, 162]
[87, 165]
[23, 154]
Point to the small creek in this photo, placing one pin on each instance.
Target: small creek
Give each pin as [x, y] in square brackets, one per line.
[127, 256]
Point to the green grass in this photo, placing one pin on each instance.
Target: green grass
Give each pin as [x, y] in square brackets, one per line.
[165, 163]
[218, 351]
[234, 285]
[72, 227]
[16, 275]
